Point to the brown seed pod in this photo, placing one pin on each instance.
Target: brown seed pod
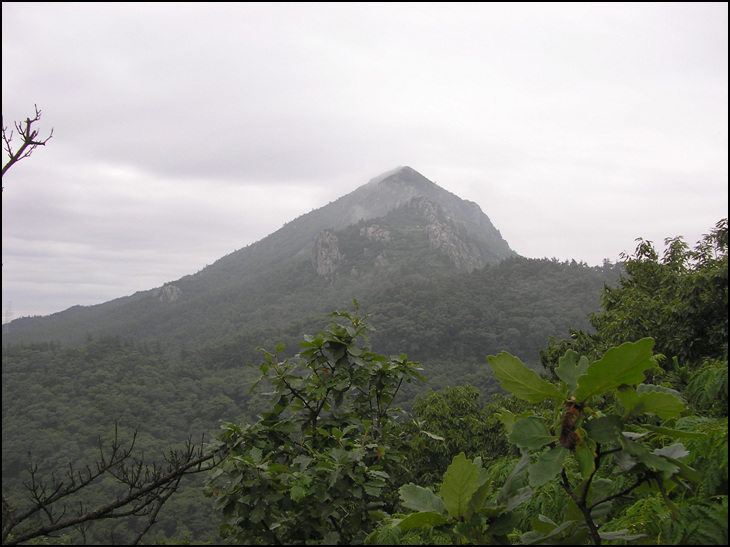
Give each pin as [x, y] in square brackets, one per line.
[568, 437]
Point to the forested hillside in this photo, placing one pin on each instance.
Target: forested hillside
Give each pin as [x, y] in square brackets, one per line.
[319, 452]
[449, 326]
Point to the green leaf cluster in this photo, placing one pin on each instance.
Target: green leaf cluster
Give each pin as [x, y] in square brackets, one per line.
[680, 300]
[571, 445]
[322, 465]
[453, 420]
[466, 508]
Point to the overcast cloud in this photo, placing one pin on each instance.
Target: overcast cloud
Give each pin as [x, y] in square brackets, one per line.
[183, 132]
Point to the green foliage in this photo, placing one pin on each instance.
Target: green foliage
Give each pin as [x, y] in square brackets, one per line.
[707, 388]
[451, 421]
[77, 396]
[522, 382]
[322, 464]
[568, 450]
[172, 389]
[708, 451]
[698, 523]
[612, 434]
[621, 443]
[571, 447]
[466, 508]
[624, 365]
[679, 300]
[512, 306]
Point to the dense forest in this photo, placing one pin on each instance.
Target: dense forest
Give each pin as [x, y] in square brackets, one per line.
[470, 409]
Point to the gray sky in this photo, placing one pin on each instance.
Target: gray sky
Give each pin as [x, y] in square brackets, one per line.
[183, 132]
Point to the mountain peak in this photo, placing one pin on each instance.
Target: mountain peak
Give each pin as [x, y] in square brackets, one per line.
[383, 176]
[397, 226]
[401, 175]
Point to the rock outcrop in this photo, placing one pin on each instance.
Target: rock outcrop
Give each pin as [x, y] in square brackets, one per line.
[326, 255]
[445, 237]
[167, 293]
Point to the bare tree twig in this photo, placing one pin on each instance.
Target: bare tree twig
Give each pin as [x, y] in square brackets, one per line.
[29, 140]
[148, 488]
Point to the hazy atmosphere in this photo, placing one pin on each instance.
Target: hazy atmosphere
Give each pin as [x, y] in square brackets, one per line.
[182, 132]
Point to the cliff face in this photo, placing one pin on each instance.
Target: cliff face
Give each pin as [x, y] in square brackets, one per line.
[455, 228]
[404, 184]
[167, 293]
[444, 236]
[326, 256]
[418, 232]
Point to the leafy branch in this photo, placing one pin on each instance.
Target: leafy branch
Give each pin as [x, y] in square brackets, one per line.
[582, 431]
[321, 465]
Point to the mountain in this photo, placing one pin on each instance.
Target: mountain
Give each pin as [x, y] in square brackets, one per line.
[398, 227]
[430, 270]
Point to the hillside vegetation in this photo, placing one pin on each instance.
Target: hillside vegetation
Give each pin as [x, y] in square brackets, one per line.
[79, 392]
[458, 426]
[619, 444]
[384, 369]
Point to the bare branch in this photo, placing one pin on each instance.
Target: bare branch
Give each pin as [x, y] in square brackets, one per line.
[148, 488]
[29, 140]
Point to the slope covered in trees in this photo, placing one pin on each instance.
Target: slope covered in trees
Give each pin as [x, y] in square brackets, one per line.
[79, 392]
[678, 496]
